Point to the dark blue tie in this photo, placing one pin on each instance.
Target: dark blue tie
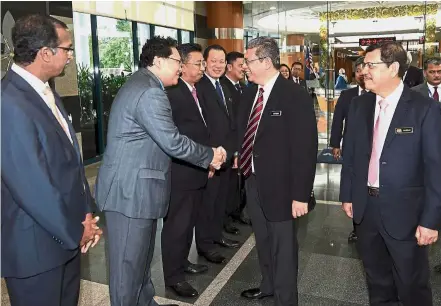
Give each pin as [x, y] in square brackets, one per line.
[238, 87]
[219, 92]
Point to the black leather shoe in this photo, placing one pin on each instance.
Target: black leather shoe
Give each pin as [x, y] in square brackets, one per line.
[438, 268]
[169, 305]
[228, 243]
[195, 268]
[352, 237]
[254, 294]
[213, 257]
[184, 289]
[241, 219]
[230, 229]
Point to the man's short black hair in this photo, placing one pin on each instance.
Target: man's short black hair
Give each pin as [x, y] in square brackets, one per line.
[392, 52]
[296, 63]
[185, 49]
[233, 56]
[33, 32]
[213, 47]
[156, 46]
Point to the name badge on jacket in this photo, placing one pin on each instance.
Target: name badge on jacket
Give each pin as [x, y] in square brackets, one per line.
[404, 130]
[276, 113]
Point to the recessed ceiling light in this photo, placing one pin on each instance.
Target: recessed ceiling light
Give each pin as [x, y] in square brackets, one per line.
[273, 8]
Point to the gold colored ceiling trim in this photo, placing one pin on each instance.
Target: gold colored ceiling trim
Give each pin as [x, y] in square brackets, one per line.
[379, 12]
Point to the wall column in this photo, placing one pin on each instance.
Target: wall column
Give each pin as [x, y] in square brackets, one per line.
[225, 18]
[295, 50]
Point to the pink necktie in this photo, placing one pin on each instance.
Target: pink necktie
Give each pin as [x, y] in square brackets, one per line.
[195, 95]
[377, 146]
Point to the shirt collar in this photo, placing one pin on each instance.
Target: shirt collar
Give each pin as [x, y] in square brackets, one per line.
[188, 85]
[234, 83]
[35, 82]
[270, 84]
[361, 89]
[431, 87]
[395, 96]
[213, 81]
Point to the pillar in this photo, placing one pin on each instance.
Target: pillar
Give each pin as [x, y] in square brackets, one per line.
[225, 18]
[295, 50]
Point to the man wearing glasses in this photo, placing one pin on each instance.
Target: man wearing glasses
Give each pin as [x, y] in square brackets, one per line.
[390, 180]
[188, 181]
[133, 183]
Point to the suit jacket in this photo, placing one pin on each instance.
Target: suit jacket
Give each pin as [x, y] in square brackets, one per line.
[422, 89]
[414, 76]
[220, 119]
[285, 147]
[341, 114]
[44, 191]
[302, 83]
[235, 100]
[410, 164]
[134, 178]
[189, 122]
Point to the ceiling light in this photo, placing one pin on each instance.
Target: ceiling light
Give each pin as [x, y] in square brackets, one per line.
[273, 8]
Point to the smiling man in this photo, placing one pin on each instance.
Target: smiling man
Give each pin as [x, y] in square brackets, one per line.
[390, 180]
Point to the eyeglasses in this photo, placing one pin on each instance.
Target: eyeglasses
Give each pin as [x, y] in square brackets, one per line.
[175, 59]
[202, 64]
[247, 62]
[371, 65]
[68, 50]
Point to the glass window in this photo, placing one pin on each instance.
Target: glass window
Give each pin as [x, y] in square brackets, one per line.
[166, 32]
[83, 59]
[116, 59]
[143, 35]
[185, 37]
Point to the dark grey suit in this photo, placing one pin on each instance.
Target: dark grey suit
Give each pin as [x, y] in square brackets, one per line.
[422, 89]
[133, 184]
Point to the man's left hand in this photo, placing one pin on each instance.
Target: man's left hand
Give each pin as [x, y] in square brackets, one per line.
[426, 236]
[299, 209]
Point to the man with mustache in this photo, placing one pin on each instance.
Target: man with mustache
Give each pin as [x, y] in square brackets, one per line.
[432, 72]
[390, 180]
[188, 181]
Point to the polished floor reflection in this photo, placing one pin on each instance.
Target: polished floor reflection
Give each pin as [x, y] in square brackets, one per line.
[330, 272]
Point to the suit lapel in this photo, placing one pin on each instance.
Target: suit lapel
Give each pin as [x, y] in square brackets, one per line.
[192, 103]
[370, 117]
[399, 115]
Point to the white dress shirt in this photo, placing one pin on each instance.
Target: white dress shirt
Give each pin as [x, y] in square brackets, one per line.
[39, 87]
[213, 81]
[266, 93]
[392, 100]
[296, 80]
[197, 100]
[432, 90]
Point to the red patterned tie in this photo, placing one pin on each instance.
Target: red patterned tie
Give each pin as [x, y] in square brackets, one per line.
[248, 139]
[435, 93]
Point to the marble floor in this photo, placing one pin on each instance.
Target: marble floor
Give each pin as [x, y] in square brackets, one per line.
[330, 272]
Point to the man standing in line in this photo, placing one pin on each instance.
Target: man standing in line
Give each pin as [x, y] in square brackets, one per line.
[340, 120]
[390, 180]
[45, 197]
[278, 141]
[432, 72]
[297, 70]
[133, 183]
[188, 182]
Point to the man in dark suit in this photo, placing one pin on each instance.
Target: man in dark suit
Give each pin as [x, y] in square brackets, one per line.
[278, 141]
[413, 76]
[231, 80]
[45, 197]
[187, 181]
[390, 180]
[432, 72]
[133, 183]
[216, 102]
[297, 71]
[340, 120]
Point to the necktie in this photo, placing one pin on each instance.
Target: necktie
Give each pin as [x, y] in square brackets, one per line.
[51, 101]
[435, 93]
[238, 88]
[363, 91]
[219, 92]
[248, 139]
[195, 95]
[377, 145]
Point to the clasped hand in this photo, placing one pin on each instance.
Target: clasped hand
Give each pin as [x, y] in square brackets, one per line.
[91, 234]
[219, 157]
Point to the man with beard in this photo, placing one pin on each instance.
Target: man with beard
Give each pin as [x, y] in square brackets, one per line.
[45, 197]
[340, 120]
[390, 180]
[188, 181]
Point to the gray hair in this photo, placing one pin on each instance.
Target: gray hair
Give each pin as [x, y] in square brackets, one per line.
[266, 47]
[432, 60]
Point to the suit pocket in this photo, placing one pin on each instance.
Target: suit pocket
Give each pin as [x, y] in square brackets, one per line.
[150, 173]
[151, 191]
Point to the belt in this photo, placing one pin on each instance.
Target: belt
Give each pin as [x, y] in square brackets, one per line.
[373, 191]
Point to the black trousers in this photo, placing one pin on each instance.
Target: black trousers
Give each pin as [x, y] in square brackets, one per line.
[210, 219]
[177, 233]
[233, 205]
[396, 270]
[277, 250]
[57, 287]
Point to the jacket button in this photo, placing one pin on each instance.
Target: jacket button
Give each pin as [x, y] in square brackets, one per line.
[256, 155]
[384, 163]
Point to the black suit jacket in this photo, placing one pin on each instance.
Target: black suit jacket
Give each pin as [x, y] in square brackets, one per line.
[410, 164]
[220, 121]
[285, 147]
[341, 115]
[44, 192]
[414, 77]
[302, 83]
[188, 120]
